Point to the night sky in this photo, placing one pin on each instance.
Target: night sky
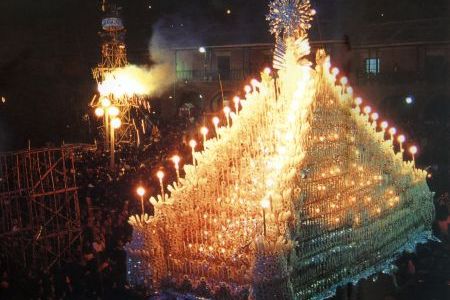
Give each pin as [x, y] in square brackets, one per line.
[48, 48]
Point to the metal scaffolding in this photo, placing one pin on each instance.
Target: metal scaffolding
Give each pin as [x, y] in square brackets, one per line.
[39, 209]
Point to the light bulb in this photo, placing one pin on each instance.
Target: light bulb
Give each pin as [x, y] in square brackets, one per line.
[413, 150]
[140, 191]
[113, 111]
[99, 112]
[116, 123]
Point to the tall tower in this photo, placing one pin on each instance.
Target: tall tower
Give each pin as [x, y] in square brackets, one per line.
[114, 54]
[122, 113]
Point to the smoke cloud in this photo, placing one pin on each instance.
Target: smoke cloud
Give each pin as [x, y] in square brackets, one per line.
[151, 80]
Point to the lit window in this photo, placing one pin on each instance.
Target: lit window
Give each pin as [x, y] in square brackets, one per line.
[372, 65]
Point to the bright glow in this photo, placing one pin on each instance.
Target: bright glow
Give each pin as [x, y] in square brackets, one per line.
[267, 71]
[401, 138]
[358, 101]
[384, 125]
[367, 110]
[105, 102]
[113, 111]
[140, 191]
[215, 121]
[265, 203]
[202, 50]
[133, 80]
[254, 82]
[116, 123]
[192, 143]
[176, 159]
[409, 100]
[313, 12]
[335, 71]
[344, 80]
[374, 116]
[160, 174]
[226, 110]
[236, 100]
[247, 89]
[413, 150]
[392, 131]
[350, 90]
[99, 112]
[204, 130]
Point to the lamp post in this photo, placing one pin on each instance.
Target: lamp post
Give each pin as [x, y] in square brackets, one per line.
[160, 175]
[141, 192]
[176, 161]
[105, 104]
[193, 143]
[265, 204]
[115, 124]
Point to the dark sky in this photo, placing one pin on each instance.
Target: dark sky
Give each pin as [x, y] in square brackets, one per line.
[48, 48]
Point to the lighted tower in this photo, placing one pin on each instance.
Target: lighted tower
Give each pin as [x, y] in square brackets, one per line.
[119, 110]
[114, 54]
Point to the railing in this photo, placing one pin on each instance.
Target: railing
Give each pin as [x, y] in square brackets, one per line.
[401, 77]
[206, 75]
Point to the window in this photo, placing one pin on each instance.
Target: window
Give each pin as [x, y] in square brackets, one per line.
[372, 65]
[223, 67]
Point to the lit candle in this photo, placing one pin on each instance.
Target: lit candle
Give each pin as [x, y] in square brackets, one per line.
[227, 110]
[236, 101]
[176, 161]
[215, 121]
[160, 175]
[392, 132]
[204, 132]
[401, 139]
[413, 151]
[193, 143]
[384, 125]
[141, 192]
[344, 82]
[358, 101]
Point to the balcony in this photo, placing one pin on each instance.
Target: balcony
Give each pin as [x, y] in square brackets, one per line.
[202, 75]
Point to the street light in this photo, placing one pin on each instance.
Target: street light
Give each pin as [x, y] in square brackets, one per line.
[99, 112]
[160, 175]
[115, 124]
[141, 192]
[105, 103]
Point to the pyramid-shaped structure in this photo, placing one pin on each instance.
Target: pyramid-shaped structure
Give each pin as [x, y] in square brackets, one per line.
[299, 192]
